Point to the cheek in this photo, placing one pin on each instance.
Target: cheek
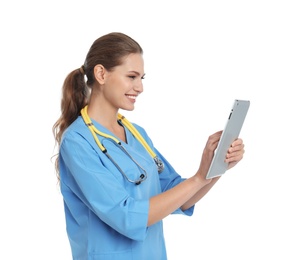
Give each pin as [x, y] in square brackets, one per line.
[116, 82]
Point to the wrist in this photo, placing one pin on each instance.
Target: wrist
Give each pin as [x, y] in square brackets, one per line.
[200, 180]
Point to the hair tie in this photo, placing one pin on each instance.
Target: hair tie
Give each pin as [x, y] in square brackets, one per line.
[82, 70]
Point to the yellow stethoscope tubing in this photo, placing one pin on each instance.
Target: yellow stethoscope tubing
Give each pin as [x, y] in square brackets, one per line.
[126, 123]
[94, 130]
[134, 131]
[138, 136]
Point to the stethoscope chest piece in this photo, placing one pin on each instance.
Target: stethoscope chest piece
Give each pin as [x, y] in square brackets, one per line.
[159, 164]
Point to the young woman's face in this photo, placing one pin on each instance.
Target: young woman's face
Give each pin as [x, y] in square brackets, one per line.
[124, 83]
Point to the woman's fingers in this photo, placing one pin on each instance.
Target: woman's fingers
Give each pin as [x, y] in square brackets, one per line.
[235, 152]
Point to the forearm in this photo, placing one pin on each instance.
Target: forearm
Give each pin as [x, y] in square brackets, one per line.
[200, 194]
[167, 202]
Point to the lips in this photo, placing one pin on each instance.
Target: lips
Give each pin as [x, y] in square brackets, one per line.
[132, 97]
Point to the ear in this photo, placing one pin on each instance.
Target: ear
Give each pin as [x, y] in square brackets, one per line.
[99, 73]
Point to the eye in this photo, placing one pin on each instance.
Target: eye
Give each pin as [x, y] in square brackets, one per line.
[136, 76]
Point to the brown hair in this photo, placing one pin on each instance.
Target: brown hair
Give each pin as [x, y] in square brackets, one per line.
[108, 50]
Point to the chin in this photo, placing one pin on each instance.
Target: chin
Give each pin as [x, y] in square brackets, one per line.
[128, 108]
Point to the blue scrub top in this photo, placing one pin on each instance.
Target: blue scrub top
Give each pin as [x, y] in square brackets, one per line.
[106, 216]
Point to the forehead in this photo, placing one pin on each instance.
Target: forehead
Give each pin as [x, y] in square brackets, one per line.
[133, 62]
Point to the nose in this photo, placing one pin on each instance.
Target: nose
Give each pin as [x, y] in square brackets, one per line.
[138, 87]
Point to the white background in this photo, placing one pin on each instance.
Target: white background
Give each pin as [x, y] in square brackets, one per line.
[199, 56]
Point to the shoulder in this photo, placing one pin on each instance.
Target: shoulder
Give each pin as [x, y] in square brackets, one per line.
[78, 130]
[143, 133]
[141, 130]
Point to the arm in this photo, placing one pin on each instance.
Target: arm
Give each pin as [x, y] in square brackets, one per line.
[234, 155]
[187, 193]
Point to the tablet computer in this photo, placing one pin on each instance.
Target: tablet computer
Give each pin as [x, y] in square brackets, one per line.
[230, 133]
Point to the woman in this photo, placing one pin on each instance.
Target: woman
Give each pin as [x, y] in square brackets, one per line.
[117, 188]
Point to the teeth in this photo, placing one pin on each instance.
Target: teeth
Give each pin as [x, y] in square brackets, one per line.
[133, 97]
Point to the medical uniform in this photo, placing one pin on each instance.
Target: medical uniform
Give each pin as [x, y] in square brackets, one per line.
[106, 215]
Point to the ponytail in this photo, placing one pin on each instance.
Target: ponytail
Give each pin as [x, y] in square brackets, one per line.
[75, 96]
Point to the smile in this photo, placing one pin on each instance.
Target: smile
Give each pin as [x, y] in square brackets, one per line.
[131, 96]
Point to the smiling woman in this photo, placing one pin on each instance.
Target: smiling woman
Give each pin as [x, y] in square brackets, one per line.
[116, 186]
[118, 88]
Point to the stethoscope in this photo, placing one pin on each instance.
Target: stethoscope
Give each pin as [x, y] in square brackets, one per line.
[137, 135]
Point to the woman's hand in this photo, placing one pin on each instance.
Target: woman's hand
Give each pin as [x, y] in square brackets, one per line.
[208, 154]
[233, 156]
[235, 153]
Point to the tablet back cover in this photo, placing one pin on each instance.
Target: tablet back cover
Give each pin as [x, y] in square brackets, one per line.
[230, 133]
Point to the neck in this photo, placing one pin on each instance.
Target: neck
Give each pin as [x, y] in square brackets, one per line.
[103, 113]
[108, 118]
